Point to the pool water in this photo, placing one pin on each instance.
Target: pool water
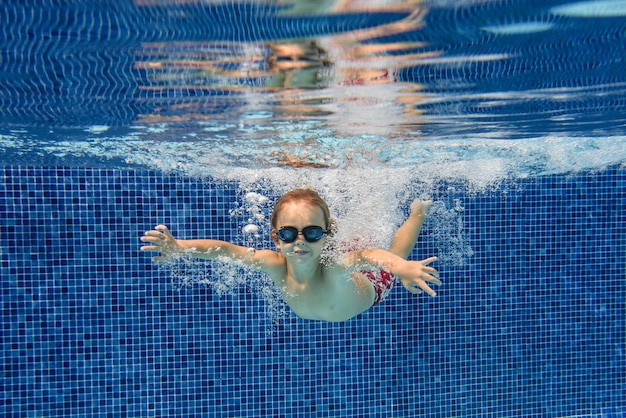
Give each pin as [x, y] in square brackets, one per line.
[118, 116]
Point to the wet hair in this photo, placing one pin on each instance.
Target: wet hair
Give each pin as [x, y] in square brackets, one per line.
[301, 195]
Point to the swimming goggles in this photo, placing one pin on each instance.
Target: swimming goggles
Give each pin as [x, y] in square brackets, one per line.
[289, 234]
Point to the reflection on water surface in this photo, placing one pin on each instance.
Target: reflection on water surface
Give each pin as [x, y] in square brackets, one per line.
[314, 84]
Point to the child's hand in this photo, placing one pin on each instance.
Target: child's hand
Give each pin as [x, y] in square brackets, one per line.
[416, 274]
[162, 241]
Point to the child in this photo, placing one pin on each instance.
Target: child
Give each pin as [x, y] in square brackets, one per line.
[330, 291]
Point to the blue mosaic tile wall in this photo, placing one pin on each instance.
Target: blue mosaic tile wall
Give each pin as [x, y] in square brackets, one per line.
[532, 325]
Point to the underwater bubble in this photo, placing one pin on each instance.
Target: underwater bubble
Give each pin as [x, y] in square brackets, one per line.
[250, 229]
[256, 198]
[446, 233]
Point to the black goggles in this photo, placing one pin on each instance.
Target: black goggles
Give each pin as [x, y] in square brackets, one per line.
[289, 234]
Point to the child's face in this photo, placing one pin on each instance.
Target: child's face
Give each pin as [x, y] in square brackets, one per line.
[300, 215]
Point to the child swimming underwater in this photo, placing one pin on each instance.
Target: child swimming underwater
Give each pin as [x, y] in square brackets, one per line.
[327, 291]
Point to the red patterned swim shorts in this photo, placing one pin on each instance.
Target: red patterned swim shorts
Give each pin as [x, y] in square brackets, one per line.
[383, 281]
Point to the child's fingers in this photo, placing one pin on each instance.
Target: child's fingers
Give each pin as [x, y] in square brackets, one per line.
[435, 282]
[426, 288]
[419, 287]
[150, 237]
[413, 289]
[417, 291]
[433, 279]
[431, 272]
[423, 288]
[160, 233]
[155, 238]
[150, 248]
[163, 229]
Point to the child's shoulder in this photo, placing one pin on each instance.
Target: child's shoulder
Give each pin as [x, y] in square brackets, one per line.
[272, 263]
[336, 270]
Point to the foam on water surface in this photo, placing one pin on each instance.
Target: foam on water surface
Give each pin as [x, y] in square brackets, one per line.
[481, 160]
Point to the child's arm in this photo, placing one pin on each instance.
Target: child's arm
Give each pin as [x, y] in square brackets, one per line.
[413, 274]
[161, 240]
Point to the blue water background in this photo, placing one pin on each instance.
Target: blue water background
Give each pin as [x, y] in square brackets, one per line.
[532, 324]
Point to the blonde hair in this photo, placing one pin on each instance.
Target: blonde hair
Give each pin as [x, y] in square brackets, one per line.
[301, 195]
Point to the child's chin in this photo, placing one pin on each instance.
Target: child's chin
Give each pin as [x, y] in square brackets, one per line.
[300, 256]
